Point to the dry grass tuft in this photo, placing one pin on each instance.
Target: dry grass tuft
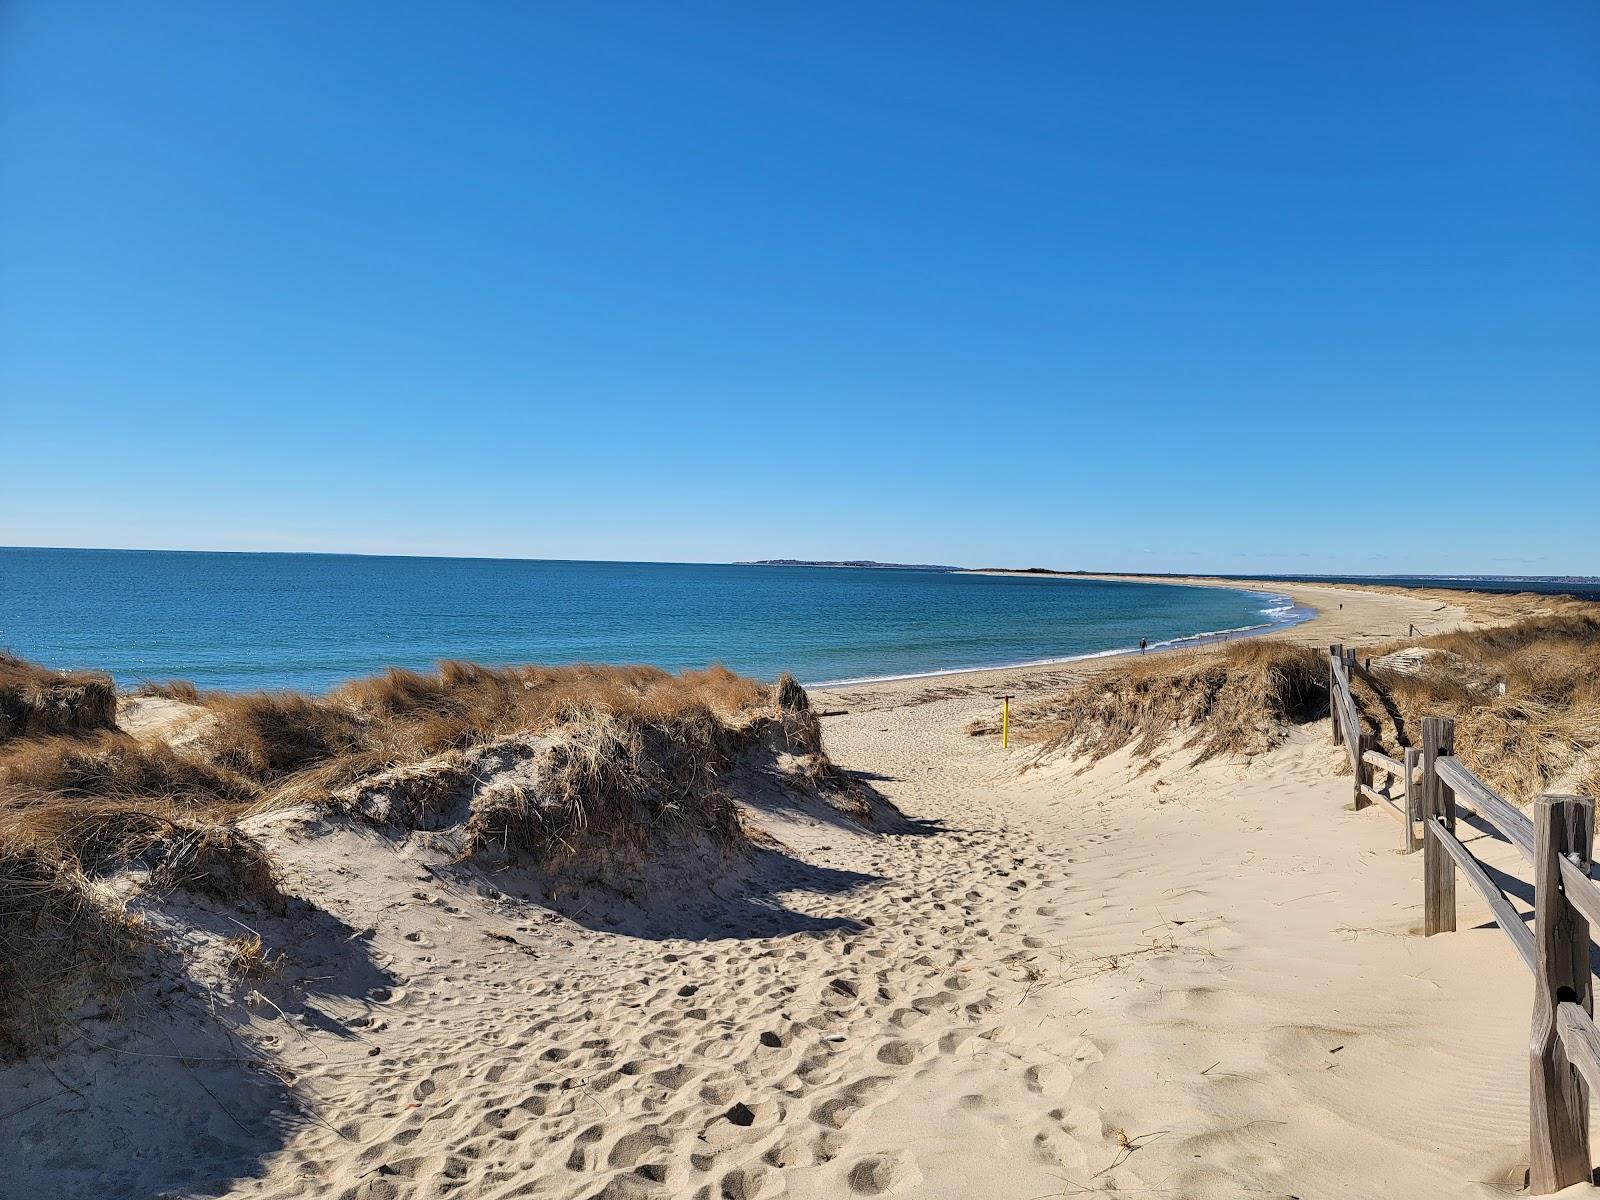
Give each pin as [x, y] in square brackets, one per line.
[802, 737]
[789, 695]
[1525, 699]
[88, 838]
[612, 786]
[585, 762]
[36, 702]
[405, 716]
[221, 861]
[61, 941]
[248, 958]
[170, 689]
[57, 944]
[418, 795]
[113, 766]
[1236, 699]
[268, 736]
[93, 837]
[79, 799]
[463, 704]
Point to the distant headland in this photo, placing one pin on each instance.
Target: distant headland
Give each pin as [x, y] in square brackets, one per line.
[849, 562]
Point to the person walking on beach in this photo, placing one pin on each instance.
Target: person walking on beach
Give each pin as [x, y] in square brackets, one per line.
[1142, 644]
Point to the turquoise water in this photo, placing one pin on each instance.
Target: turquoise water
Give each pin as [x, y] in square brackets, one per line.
[311, 620]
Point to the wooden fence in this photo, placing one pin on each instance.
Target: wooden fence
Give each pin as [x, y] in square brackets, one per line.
[1563, 1044]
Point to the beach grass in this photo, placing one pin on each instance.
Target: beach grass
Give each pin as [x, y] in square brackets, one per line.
[1525, 698]
[544, 764]
[1226, 700]
[35, 701]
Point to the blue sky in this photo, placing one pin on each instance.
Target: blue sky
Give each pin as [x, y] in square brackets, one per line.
[1235, 286]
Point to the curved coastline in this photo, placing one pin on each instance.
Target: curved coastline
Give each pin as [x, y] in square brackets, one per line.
[1292, 613]
[1355, 616]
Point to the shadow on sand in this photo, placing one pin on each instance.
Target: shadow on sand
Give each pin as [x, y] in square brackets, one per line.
[705, 893]
[167, 1098]
[163, 1097]
[1513, 886]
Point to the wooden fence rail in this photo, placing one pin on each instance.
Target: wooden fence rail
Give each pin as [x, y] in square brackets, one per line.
[1558, 842]
[1365, 757]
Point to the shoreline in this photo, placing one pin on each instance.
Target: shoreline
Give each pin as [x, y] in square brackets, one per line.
[1343, 613]
[1301, 615]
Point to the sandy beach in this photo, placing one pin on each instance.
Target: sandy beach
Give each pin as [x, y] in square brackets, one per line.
[1354, 617]
[1041, 980]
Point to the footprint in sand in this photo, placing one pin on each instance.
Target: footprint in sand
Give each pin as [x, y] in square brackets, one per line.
[801, 1152]
[629, 1185]
[1046, 1077]
[741, 1124]
[585, 1156]
[880, 1174]
[899, 1053]
[673, 1078]
[958, 1041]
[835, 1113]
[534, 1105]
[984, 1006]
[631, 1149]
[1055, 1147]
[752, 1183]
[841, 991]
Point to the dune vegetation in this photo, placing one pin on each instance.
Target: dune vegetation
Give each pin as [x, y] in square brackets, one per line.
[1235, 699]
[35, 701]
[599, 764]
[1524, 695]
[1525, 698]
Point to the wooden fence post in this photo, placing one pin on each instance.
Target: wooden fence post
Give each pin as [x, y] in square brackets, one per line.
[1363, 772]
[1360, 742]
[1438, 807]
[1334, 651]
[1352, 713]
[1563, 827]
[1413, 797]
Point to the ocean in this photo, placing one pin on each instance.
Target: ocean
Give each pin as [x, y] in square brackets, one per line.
[310, 621]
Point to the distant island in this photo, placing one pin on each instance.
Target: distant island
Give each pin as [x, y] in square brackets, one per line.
[849, 562]
[1018, 571]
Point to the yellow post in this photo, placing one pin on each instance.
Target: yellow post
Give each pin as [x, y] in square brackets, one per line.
[1005, 721]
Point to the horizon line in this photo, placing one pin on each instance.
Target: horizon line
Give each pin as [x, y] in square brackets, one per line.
[830, 563]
